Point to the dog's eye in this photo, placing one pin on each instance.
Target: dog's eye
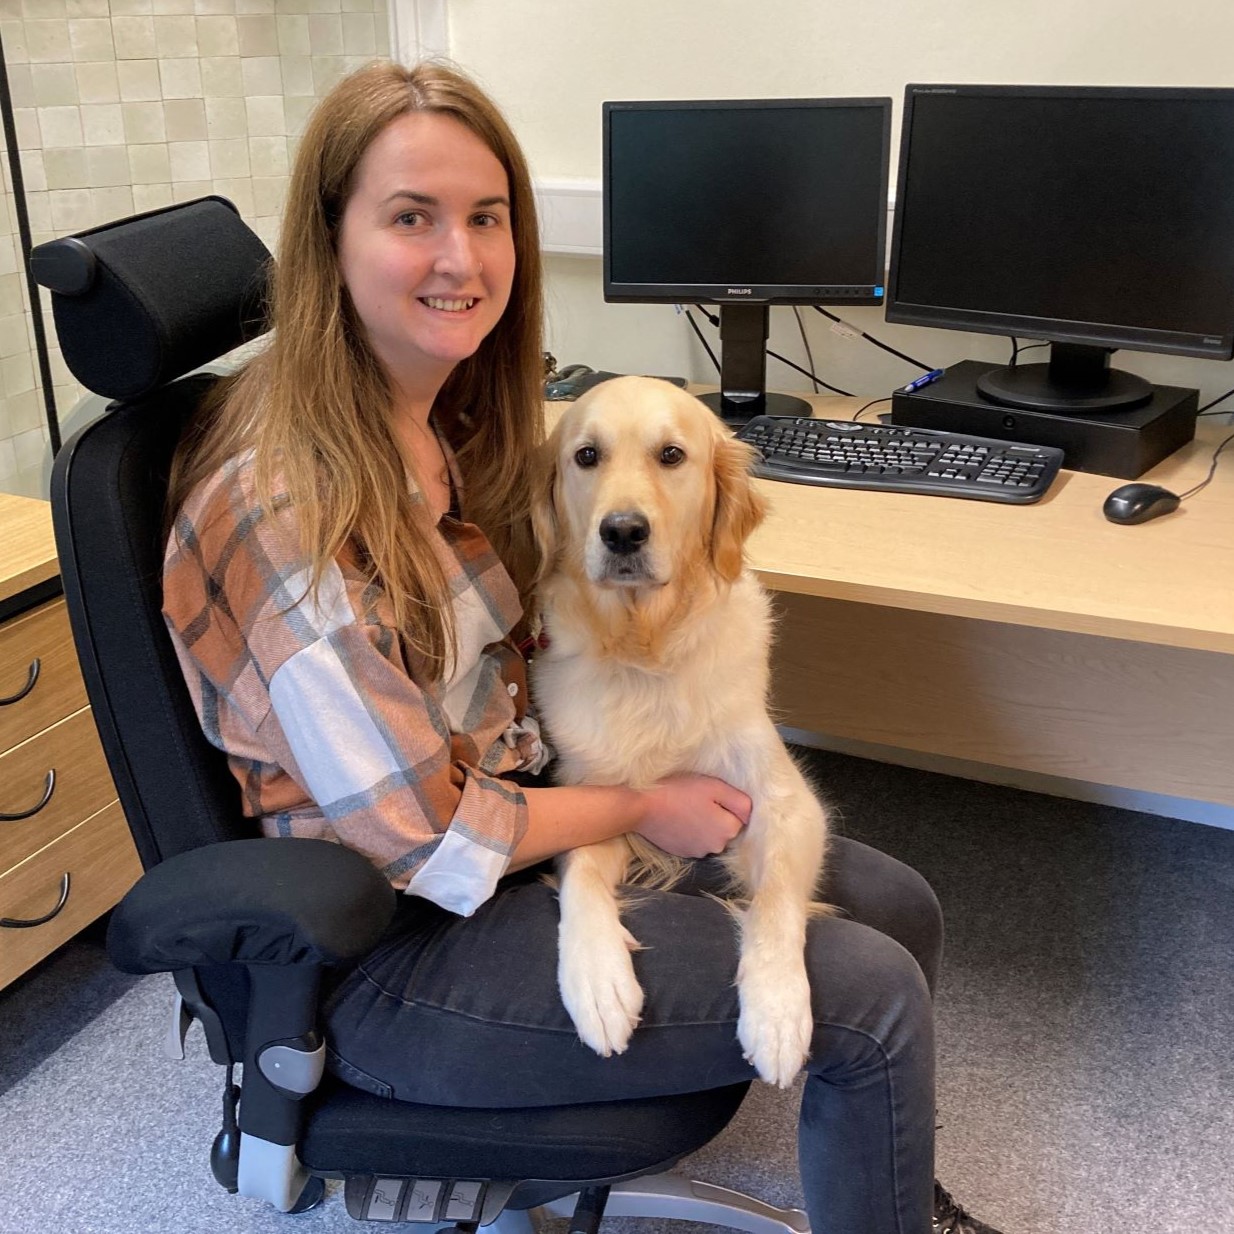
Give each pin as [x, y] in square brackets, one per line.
[670, 456]
[586, 456]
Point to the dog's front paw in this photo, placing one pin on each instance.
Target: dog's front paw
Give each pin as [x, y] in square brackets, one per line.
[600, 990]
[775, 1025]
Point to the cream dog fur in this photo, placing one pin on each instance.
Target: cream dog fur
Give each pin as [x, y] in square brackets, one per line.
[657, 663]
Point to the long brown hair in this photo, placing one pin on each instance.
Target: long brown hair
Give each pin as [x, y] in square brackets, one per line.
[314, 406]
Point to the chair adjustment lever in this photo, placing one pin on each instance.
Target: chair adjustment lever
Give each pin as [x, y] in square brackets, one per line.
[199, 1008]
[295, 1066]
[177, 1029]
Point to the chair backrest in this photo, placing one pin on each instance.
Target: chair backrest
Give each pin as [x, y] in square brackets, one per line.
[109, 486]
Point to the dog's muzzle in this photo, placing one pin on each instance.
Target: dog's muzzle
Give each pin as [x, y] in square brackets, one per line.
[625, 534]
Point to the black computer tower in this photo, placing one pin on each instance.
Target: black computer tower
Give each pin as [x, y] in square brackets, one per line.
[1113, 443]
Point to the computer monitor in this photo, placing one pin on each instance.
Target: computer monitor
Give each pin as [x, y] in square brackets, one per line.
[745, 204]
[1093, 218]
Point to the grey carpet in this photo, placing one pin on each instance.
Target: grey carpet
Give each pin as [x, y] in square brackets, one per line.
[1085, 1020]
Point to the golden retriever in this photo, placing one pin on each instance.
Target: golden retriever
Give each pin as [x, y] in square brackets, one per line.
[656, 663]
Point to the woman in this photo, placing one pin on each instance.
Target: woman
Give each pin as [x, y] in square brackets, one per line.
[345, 584]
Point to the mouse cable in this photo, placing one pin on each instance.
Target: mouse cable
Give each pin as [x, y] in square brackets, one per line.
[1212, 468]
[775, 355]
[869, 338]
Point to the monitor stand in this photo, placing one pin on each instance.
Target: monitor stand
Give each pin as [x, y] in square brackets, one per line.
[1077, 379]
[743, 369]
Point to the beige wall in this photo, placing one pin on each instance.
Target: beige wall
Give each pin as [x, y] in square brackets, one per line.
[128, 105]
[21, 443]
[552, 62]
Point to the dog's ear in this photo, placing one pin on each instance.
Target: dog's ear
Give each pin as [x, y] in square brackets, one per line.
[544, 508]
[739, 509]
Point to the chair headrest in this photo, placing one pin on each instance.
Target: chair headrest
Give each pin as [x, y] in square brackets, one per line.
[146, 299]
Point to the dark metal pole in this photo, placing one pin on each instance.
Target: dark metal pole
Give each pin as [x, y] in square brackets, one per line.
[23, 230]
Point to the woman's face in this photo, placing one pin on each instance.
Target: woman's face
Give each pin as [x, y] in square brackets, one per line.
[426, 247]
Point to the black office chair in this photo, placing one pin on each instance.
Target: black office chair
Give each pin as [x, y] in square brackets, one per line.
[247, 925]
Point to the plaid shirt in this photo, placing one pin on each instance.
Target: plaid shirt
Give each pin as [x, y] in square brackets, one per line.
[327, 724]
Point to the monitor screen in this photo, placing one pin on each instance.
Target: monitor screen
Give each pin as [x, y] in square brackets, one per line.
[782, 201]
[1085, 215]
[745, 204]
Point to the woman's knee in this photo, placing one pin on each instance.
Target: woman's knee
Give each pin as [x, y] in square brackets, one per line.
[870, 997]
[891, 897]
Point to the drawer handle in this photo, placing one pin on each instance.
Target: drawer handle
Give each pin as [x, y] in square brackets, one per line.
[30, 682]
[49, 787]
[17, 923]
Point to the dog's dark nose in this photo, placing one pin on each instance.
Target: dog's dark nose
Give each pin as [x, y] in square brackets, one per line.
[624, 532]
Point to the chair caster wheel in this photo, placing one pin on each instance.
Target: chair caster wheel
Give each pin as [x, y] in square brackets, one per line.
[312, 1195]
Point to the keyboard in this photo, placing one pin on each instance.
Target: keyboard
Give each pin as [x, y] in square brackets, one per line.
[898, 459]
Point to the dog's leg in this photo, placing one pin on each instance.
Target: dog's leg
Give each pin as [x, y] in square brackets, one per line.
[594, 970]
[780, 858]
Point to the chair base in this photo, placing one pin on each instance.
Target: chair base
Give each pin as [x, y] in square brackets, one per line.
[661, 1196]
[676, 1197]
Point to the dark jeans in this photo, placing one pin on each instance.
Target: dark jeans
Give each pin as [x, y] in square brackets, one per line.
[465, 1012]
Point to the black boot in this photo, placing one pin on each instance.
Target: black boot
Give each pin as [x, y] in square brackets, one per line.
[950, 1217]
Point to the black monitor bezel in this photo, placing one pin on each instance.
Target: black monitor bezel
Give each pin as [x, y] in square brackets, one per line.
[700, 293]
[1114, 337]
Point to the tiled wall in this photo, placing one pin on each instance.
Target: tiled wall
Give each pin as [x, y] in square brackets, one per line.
[127, 105]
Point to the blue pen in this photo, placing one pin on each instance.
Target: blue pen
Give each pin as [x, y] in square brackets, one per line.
[924, 380]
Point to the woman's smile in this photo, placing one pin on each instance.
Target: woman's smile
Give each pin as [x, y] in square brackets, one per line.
[448, 306]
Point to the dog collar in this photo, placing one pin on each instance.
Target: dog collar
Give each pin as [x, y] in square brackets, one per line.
[533, 643]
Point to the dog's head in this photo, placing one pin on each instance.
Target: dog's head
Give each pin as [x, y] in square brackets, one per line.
[641, 485]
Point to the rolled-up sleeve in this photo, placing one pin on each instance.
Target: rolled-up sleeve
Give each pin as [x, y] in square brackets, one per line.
[373, 751]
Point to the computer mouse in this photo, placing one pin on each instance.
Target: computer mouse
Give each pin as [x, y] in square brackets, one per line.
[1137, 503]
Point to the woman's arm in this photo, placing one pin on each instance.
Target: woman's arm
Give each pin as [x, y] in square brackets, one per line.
[686, 815]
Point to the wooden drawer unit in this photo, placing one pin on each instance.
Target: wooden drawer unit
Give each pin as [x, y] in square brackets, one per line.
[40, 682]
[61, 776]
[66, 855]
[63, 887]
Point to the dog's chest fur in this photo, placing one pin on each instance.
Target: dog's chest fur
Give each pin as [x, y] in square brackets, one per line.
[613, 721]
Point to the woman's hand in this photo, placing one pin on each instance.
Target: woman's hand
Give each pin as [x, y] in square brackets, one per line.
[686, 815]
[693, 815]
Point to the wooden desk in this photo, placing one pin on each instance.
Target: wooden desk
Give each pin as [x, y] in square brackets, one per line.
[27, 551]
[1038, 638]
[66, 855]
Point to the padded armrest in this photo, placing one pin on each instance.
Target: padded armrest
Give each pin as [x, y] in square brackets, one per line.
[267, 901]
